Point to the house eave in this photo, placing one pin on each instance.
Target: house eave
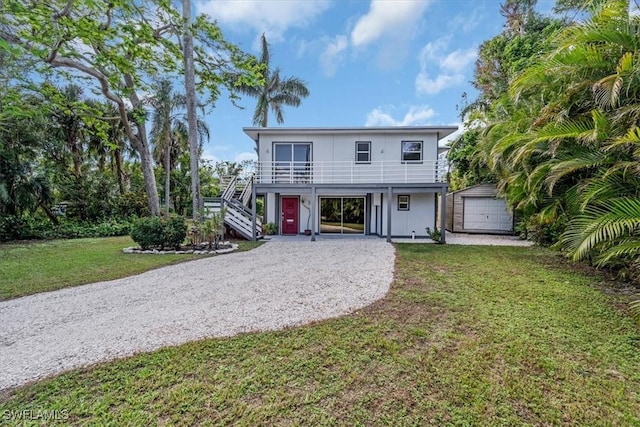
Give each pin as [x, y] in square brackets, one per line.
[442, 131]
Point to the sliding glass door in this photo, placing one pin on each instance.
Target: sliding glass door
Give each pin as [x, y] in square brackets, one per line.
[342, 215]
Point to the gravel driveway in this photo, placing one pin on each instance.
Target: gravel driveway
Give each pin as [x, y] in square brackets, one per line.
[278, 284]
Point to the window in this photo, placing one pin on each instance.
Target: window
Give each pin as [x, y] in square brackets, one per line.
[292, 162]
[411, 151]
[363, 151]
[403, 203]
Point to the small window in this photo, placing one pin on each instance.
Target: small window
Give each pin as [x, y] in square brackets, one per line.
[363, 151]
[403, 203]
[411, 151]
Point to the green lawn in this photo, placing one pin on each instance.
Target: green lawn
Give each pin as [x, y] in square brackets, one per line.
[467, 336]
[29, 268]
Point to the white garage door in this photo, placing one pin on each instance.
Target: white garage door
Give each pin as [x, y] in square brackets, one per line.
[484, 213]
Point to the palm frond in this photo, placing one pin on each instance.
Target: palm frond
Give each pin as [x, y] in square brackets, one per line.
[634, 309]
[601, 224]
[572, 162]
[627, 248]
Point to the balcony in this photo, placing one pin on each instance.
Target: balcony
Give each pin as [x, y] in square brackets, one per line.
[348, 172]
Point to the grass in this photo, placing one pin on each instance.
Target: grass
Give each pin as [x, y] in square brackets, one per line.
[467, 336]
[29, 268]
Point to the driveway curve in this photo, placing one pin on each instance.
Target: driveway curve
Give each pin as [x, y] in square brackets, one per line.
[276, 285]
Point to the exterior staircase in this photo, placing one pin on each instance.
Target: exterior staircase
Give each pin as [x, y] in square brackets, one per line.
[236, 200]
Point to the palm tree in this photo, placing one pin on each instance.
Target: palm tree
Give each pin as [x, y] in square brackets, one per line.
[169, 131]
[568, 147]
[276, 92]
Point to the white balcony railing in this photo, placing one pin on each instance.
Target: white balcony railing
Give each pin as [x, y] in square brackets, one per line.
[347, 172]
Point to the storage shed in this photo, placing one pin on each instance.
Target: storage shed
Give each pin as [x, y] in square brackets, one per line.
[478, 209]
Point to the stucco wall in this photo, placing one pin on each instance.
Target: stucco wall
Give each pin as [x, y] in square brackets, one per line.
[341, 147]
[421, 214]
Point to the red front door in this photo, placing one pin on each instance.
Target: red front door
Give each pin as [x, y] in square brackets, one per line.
[289, 215]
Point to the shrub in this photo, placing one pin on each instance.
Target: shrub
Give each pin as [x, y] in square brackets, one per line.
[29, 227]
[434, 234]
[11, 227]
[148, 232]
[154, 232]
[270, 228]
[174, 231]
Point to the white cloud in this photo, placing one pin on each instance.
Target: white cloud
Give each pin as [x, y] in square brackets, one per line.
[333, 54]
[440, 70]
[271, 16]
[387, 18]
[417, 115]
[459, 60]
[466, 23]
[240, 157]
[429, 86]
[208, 157]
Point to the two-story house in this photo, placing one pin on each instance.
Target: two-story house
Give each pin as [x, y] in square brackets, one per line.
[383, 181]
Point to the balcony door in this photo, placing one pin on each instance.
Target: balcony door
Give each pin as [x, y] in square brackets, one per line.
[292, 162]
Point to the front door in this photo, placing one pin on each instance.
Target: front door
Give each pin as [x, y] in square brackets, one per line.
[289, 215]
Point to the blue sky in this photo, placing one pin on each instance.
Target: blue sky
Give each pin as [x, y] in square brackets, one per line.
[366, 62]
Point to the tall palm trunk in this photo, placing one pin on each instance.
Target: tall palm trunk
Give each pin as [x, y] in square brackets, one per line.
[167, 179]
[190, 92]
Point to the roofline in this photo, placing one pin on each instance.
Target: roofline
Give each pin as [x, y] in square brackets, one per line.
[442, 131]
[474, 186]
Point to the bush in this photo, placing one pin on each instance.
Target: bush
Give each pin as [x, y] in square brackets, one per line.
[154, 232]
[12, 227]
[175, 231]
[148, 232]
[22, 228]
[270, 228]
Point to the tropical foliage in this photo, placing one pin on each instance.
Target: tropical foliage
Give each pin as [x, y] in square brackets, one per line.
[169, 132]
[117, 48]
[562, 138]
[84, 133]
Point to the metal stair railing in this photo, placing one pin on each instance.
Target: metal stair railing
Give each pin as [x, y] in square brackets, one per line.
[230, 190]
[240, 221]
[245, 197]
[238, 216]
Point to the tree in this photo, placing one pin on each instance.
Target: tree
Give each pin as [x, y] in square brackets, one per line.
[169, 131]
[120, 46]
[23, 189]
[191, 102]
[275, 92]
[565, 141]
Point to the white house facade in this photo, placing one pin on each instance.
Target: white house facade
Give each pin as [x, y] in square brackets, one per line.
[383, 181]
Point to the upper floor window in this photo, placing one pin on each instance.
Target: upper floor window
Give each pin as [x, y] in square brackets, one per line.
[363, 151]
[411, 151]
[292, 162]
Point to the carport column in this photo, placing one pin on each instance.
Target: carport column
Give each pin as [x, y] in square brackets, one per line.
[389, 196]
[253, 213]
[443, 212]
[313, 213]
